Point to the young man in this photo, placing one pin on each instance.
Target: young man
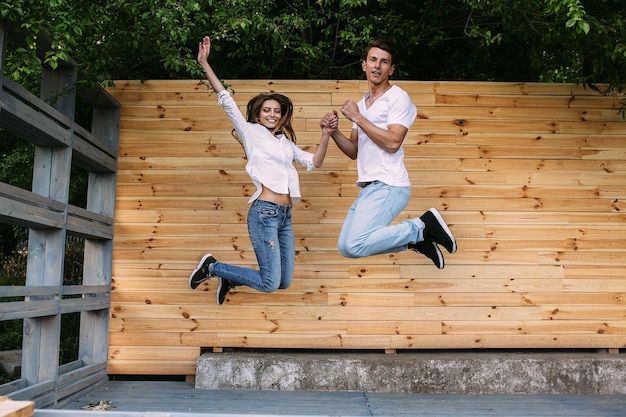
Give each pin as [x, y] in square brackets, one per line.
[380, 122]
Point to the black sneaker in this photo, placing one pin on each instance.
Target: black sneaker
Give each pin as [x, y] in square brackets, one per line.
[430, 250]
[202, 271]
[437, 230]
[223, 288]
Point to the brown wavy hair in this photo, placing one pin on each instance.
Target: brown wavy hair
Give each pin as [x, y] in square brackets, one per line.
[286, 110]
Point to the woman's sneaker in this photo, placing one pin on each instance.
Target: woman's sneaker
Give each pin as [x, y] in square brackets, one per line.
[223, 288]
[437, 230]
[202, 271]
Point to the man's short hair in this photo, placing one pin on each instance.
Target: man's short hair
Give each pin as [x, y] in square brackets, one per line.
[385, 45]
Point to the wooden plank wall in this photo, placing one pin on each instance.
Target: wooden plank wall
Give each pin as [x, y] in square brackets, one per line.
[531, 179]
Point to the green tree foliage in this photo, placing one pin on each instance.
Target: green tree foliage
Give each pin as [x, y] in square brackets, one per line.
[499, 40]
[560, 40]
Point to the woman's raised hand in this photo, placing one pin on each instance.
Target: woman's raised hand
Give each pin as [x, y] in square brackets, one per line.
[204, 49]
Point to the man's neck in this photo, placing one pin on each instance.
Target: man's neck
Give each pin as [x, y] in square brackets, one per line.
[378, 90]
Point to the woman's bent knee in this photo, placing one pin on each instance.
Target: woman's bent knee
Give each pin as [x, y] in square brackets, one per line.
[269, 287]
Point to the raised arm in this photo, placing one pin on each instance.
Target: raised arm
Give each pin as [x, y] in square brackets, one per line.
[204, 50]
[320, 153]
[329, 124]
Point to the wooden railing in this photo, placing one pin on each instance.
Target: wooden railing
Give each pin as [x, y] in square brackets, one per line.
[59, 144]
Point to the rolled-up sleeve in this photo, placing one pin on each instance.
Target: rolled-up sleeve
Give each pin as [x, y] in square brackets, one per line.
[304, 158]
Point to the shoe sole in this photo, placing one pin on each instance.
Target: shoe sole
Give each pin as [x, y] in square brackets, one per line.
[220, 284]
[444, 226]
[439, 256]
[204, 258]
[436, 252]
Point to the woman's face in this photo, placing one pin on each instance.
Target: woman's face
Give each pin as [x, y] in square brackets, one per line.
[270, 114]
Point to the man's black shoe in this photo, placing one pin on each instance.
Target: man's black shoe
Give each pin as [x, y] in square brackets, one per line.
[430, 250]
[437, 230]
[223, 288]
[202, 271]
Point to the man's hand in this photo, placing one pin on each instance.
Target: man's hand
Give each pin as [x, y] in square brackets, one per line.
[350, 110]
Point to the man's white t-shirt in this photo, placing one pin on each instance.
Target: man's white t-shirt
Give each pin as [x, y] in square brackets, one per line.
[373, 162]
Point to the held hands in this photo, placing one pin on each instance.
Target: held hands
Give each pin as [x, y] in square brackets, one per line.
[330, 122]
[204, 49]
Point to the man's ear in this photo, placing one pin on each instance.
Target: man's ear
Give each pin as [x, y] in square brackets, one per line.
[393, 68]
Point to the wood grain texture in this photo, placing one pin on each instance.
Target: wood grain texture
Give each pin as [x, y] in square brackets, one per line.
[530, 178]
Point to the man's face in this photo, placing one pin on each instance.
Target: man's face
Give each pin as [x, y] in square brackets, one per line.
[377, 66]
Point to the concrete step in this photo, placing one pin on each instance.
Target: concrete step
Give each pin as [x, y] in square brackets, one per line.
[473, 372]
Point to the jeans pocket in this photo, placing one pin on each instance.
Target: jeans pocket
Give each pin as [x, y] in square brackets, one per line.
[267, 213]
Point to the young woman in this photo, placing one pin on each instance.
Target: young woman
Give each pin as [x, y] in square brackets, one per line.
[269, 143]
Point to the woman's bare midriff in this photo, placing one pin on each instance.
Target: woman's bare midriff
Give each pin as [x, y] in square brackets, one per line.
[271, 196]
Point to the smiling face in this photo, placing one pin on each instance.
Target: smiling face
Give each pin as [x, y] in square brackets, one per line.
[274, 111]
[270, 114]
[378, 66]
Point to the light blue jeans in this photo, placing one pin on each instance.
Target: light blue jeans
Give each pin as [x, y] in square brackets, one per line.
[366, 230]
[271, 234]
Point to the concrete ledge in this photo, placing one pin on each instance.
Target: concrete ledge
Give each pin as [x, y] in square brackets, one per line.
[453, 373]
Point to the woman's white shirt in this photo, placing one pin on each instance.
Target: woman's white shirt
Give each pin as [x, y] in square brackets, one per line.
[270, 158]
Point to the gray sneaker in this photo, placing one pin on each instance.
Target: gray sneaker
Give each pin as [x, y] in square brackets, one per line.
[202, 271]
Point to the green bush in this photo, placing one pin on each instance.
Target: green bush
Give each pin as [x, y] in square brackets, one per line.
[13, 273]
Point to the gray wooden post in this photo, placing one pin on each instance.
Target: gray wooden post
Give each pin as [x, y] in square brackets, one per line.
[3, 49]
[46, 247]
[97, 269]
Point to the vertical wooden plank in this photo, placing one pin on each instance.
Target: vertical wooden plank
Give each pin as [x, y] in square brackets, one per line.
[3, 46]
[51, 178]
[97, 269]
[57, 87]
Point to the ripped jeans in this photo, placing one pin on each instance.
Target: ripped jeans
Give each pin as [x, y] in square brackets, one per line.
[271, 234]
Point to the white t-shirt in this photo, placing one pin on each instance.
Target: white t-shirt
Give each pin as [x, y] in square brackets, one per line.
[373, 162]
[270, 158]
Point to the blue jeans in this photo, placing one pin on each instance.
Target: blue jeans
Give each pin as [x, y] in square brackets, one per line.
[366, 230]
[271, 234]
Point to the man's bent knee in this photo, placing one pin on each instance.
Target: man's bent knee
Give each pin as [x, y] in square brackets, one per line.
[350, 251]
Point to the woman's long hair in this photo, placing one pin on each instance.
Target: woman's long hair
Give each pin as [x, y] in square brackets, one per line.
[286, 110]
